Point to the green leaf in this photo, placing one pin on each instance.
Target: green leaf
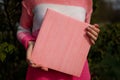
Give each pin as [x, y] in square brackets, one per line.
[2, 56]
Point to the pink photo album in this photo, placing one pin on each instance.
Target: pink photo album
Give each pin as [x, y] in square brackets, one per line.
[62, 43]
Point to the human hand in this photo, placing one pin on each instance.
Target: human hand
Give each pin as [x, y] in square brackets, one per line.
[28, 56]
[92, 32]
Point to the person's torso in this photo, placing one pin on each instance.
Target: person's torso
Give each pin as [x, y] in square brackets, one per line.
[39, 10]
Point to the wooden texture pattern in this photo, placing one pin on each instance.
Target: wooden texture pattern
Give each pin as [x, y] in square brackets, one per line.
[62, 44]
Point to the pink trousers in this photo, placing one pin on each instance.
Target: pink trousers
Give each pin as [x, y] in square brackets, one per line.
[38, 74]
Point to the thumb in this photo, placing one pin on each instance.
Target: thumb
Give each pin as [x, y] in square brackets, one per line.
[29, 51]
[30, 48]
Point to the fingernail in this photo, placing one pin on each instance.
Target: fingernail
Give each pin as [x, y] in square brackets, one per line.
[96, 25]
[45, 69]
[88, 27]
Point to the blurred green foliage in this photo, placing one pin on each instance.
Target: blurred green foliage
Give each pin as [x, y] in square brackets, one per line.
[104, 56]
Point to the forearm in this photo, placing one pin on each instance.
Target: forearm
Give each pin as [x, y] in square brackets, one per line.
[24, 36]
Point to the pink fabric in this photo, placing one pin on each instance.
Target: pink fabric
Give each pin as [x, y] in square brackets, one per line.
[26, 22]
[38, 74]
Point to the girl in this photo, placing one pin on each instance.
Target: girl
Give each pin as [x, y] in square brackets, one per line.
[33, 12]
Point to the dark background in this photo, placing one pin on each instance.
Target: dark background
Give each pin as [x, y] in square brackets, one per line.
[104, 56]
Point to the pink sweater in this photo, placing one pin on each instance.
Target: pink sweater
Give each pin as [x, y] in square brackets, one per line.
[25, 34]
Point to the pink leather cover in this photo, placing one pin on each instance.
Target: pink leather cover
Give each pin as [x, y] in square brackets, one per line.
[62, 44]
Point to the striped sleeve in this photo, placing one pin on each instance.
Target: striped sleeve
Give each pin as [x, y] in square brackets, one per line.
[24, 29]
